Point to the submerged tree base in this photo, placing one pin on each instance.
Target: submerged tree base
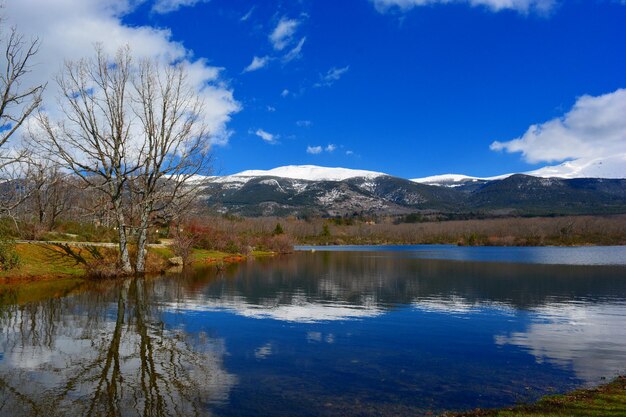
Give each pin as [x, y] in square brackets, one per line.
[604, 401]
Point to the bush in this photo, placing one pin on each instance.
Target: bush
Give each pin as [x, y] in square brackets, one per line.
[278, 230]
[281, 244]
[9, 259]
[182, 245]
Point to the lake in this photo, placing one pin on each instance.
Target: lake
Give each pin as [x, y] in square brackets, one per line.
[351, 331]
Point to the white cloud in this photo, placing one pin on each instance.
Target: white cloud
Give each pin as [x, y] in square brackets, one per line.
[349, 152]
[314, 150]
[248, 15]
[333, 74]
[271, 109]
[266, 136]
[304, 123]
[283, 34]
[296, 52]
[285, 93]
[69, 29]
[257, 63]
[521, 6]
[168, 6]
[592, 131]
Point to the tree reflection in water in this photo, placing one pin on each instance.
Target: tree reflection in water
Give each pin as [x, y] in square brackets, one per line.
[105, 353]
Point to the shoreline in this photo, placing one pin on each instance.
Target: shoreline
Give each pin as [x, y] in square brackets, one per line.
[42, 261]
[606, 400]
[388, 244]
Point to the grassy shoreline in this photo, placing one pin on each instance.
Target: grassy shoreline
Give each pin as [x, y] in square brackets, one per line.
[608, 400]
[46, 262]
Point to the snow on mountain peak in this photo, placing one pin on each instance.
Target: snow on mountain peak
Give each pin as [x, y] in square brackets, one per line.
[606, 167]
[612, 167]
[307, 172]
[454, 180]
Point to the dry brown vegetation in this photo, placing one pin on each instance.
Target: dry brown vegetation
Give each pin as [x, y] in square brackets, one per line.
[234, 236]
[537, 231]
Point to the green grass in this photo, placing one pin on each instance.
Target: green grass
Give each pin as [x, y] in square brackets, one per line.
[605, 401]
[39, 260]
[46, 271]
[200, 256]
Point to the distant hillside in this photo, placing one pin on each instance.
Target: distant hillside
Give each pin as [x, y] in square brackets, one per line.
[316, 191]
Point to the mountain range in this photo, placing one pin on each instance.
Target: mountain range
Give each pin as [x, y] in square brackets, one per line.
[308, 190]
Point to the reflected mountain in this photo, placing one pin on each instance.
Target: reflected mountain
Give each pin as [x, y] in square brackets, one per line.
[323, 286]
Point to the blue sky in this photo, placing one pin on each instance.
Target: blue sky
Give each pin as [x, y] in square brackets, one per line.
[399, 86]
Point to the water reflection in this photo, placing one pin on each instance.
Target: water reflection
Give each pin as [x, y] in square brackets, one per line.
[590, 340]
[548, 255]
[326, 333]
[106, 352]
[327, 285]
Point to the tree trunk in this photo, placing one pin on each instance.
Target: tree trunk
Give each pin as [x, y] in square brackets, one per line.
[142, 239]
[124, 257]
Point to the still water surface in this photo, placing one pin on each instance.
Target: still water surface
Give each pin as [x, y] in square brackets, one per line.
[349, 331]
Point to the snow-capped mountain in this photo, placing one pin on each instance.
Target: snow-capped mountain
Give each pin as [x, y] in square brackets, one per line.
[605, 167]
[613, 167]
[302, 172]
[312, 190]
[455, 180]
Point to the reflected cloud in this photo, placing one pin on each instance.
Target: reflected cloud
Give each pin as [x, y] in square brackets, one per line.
[300, 311]
[314, 337]
[457, 305]
[264, 351]
[317, 337]
[589, 339]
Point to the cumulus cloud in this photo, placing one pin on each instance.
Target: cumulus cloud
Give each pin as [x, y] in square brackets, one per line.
[333, 75]
[285, 93]
[592, 131]
[283, 33]
[69, 29]
[314, 150]
[330, 147]
[266, 136]
[168, 6]
[521, 6]
[257, 63]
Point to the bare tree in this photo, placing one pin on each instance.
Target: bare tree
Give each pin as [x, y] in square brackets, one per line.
[136, 133]
[49, 193]
[175, 147]
[18, 101]
[94, 139]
